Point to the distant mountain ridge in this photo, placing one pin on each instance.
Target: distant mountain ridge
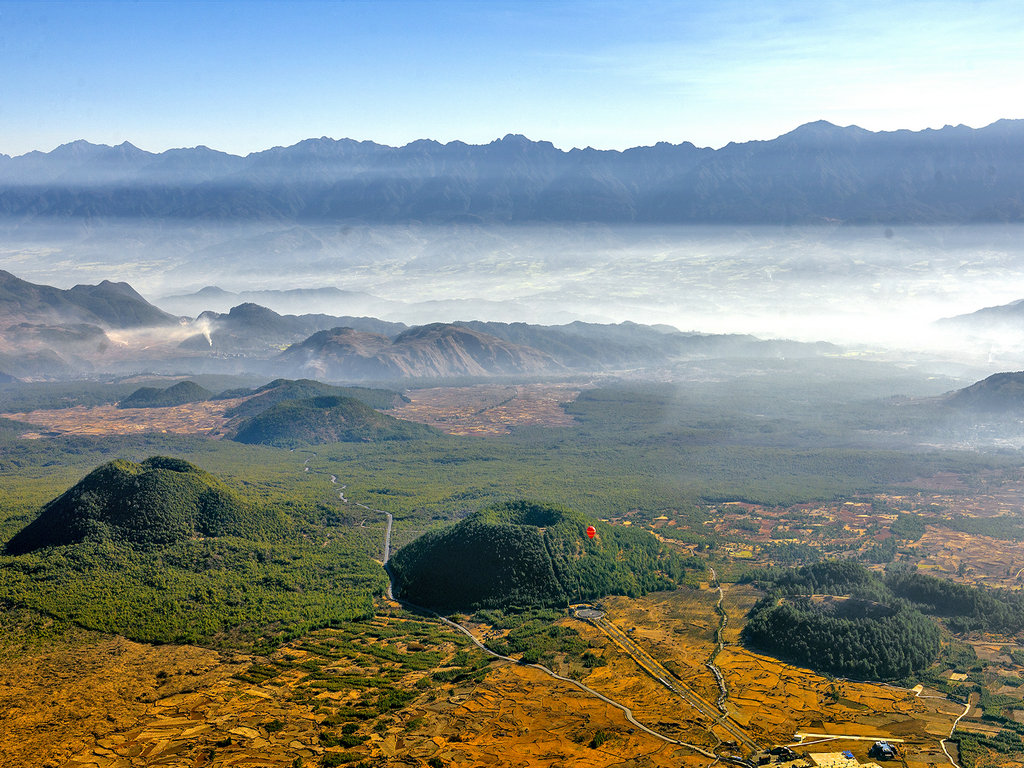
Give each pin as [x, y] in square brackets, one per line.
[818, 172]
[438, 350]
[297, 301]
[999, 317]
[49, 332]
[999, 393]
[252, 327]
[108, 304]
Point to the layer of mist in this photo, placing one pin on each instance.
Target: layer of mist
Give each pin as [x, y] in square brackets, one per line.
[871, 286]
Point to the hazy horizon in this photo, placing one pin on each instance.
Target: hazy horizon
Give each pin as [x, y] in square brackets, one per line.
[861, 286]
[609, 75]
[565, 147]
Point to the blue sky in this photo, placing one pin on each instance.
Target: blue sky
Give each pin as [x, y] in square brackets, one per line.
[244, 76]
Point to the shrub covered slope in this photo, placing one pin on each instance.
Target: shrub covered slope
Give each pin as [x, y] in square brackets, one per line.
[158, 502]
[527, 554]
[319, 420]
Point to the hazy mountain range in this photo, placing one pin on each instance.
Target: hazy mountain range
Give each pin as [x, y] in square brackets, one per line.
[112, 305]
[48, 332]
[818, 172]
[999, 318]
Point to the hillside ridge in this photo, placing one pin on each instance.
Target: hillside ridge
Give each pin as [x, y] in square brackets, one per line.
[819, 172]
[155, 503]
[524, 553]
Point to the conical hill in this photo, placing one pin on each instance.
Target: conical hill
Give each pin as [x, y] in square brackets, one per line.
[155, 503]
[527, 554]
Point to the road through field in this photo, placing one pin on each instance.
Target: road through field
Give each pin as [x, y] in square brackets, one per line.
[654, 668]
[464, 630]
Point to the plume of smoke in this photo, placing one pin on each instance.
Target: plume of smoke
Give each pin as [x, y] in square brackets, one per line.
[162, 336]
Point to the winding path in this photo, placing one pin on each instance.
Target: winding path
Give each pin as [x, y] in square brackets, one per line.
[723, 694]
[458, 627]
[582, 686]
[655, 669]
[942, 742]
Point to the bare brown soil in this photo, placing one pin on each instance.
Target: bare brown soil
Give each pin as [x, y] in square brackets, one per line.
[489, 409]
[206, 418]
[971, 558]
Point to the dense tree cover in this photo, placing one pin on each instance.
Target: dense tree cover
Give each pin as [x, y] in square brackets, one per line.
[763, 444]
[12, 428]
[631, 449]
[789, 553]
[827, 577]
[27, 396]
[232, 585]
[524, 553]
[866, 645]
[177, 394]
[640, 447]
[280, 390]
[155, 503]
[866, 634]
[967, 608]
[327, 419]
[1006, 527]
[225, 590]
[24, 397]
[908, 526]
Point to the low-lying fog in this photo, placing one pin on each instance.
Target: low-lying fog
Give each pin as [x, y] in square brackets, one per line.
[870, 285]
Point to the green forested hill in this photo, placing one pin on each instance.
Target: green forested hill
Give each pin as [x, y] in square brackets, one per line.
[838, 617]
[319, 420]
[280, 390]
[176, 394]
[522, 553]
[158, 502]
[161, 551]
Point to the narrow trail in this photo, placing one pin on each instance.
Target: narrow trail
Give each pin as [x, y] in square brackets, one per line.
[654, 668]
[942, 742]
[723, 619]
[387, 533]
[626, 711]
[582, 686]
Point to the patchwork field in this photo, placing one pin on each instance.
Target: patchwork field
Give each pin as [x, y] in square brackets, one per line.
[486, 409]
[204, 418]
[770, 699]
[489, 409]
[395, 689]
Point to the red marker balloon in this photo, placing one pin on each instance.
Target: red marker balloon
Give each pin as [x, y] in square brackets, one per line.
[591, 531]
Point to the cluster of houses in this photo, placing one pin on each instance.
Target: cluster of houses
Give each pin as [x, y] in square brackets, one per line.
[785, 757]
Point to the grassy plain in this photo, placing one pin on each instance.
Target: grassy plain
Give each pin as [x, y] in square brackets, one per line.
[740, 483]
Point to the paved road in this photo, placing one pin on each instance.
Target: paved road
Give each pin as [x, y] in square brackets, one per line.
[655, 669]
[458, 627]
